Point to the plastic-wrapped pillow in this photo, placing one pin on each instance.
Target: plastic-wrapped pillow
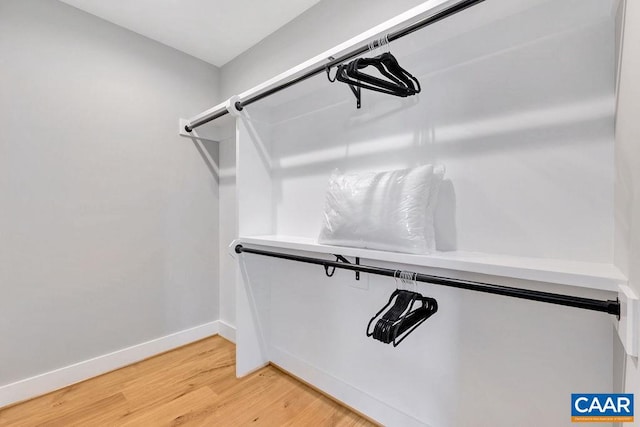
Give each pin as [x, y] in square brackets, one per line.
[390, 211]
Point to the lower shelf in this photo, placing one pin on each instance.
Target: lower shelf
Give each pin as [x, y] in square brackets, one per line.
[600, 276]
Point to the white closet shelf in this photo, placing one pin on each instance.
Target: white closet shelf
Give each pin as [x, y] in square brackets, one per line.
[591, 275]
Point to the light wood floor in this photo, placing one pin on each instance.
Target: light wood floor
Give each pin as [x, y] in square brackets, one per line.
[192, 386]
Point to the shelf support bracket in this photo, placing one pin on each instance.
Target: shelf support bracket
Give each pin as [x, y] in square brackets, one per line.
[628, 324]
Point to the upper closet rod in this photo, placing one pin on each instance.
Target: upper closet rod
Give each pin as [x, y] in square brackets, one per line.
[335, 61]
[606, 306]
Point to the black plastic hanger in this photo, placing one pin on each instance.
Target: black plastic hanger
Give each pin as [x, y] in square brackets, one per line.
[393, 84]
[402, 318]
[386, 87]
[400, 82]
[356, 85]
[391, 63]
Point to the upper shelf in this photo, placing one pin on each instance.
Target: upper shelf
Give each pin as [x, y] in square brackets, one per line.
[573, 273]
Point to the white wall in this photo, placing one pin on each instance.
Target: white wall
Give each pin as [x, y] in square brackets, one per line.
[108, 219]
[228, 229]
[627, 192]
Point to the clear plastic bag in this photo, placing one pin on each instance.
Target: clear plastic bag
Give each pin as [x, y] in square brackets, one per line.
[391, 211]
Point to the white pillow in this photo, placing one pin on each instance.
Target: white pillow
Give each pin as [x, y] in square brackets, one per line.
[391, 211]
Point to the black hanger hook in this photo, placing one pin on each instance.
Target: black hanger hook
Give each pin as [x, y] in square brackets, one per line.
[340, 258]
[327, 69]
[326, 270]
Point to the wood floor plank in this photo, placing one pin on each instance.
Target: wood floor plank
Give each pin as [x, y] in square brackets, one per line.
[264, 395]
[325, 412]
[177, 412]
[98, 413]
[194, 385]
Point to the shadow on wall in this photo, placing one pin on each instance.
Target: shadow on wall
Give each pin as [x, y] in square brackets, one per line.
[540, 128]
[524, 86]
[254, 134]
[445, 218]
[501, 99]
[208, 150]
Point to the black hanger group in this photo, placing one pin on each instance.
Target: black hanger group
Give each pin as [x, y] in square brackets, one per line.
[408, 311]
[398, 82]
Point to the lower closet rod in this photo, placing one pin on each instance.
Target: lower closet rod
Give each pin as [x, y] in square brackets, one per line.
[606, 306]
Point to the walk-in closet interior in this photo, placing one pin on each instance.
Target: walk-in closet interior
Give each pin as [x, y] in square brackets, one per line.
[426, 211]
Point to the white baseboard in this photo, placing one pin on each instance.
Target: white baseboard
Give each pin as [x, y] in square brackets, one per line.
[343, 392]
[227, 331]
[59, 378]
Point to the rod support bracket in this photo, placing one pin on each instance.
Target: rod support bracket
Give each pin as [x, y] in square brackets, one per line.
[238, 249]
[340, 258]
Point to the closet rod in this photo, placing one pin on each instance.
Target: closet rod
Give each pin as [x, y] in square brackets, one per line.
[606, 306]
[464, 4]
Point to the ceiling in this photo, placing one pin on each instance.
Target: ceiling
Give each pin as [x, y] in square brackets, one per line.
[215, 31]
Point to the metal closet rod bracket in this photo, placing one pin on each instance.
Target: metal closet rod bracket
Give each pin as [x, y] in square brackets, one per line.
[189, 127]
[340, 258]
